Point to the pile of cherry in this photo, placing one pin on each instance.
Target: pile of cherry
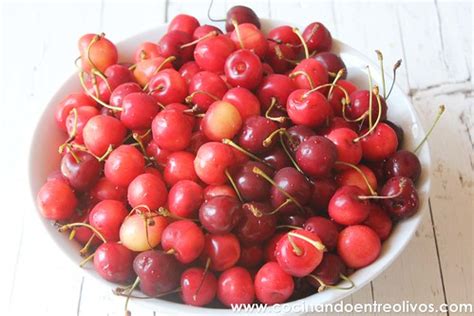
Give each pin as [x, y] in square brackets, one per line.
[231, 168]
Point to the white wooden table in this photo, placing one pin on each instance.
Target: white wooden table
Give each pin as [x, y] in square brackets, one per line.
[433, 38]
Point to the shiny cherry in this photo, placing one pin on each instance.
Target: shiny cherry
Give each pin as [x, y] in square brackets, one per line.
[358, 246]
[107, 217]
[403, 163]
[316, 156]
[317, 37]
[308, 108]
[184, 239]
[241, 14]
[254, 228]
[346, 208]
[179, 166]
[325, 229]
[56, 200]
[147, 189]
[114, 262]
[244, 69]
[235, 286]
[101, 132]
[198, 287]
[124, 164]
[404, 201]
[223, 250]
[211, 53]
[220, 214]
[81, 169]
[212, 161]
[205, 88]
[171, 130]
[272, 284]
[185, 198]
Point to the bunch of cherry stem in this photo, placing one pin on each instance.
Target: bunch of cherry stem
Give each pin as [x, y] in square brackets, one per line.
[323, 285]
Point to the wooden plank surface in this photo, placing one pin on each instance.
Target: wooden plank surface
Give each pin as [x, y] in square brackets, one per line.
[435, 41]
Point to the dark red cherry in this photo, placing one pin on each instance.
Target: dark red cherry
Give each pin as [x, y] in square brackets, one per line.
[317, 37]
[241, 14]
[171, 44]
[299, 134]
[403, 163]
[333, 63]
[81, 169]
[253, 227]
[323, 190]
[316, 156]
[255, 130]
[293, 183]
[329, 271]
[220, 214]
[114, 262]
[277, 158]
[158, 272]
[360, 104]
[325, 229]
[251, 186]
[279, 57]
[251, 256]
[404, 201]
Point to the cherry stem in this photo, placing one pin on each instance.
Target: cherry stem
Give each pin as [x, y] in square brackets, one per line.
[332, 85]
[359, 119]
[210, 34]
[380, 58]
[323, 285]
[85, 250]
[190, 97]
[304, 73]
[305, 46]
[282, 205]
[279, 119]
[255, 211]
[259, 172]
[377, 121]
[246, 152]
[287, 152]
[364, 176]
[106, 154]
[209, 14]
[395, 67]
[139, 139]
[96, 72]
[119, 292]
[318, 245]
[96, 99]
[206, 270]
[441, 110]
[369, 75]
[166, 213]
[237, 31]
[297, 250]
[234, 185]
[147, 222]
[268, 141]
[169, 59]
[94, 230]
[129, 292]
[287, 226]
[94, 40]
[401, 185]
[338, 76]
[86, 260]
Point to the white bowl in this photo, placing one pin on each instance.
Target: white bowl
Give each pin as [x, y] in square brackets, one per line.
[47, 138]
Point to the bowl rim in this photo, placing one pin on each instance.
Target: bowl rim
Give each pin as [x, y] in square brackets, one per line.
[335, 295]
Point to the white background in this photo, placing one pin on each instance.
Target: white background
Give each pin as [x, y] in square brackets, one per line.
[434, 39]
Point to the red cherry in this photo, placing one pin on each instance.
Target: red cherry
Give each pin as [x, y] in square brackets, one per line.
[104, 189]
[358, 246]
[204, 30]
[185, 198]
[403, 163]
[297, 256]
[404, 201]
[205, 88]
[360, 105]
[211, 53]
[171, 130]
[251, 38]
[146, 50]
[220, 214]
[97, 52]
[337, 95]
[353, 177]
[185, 239]
[293, 183]
[81, 169]
[198, 287]
[275, 86]
[379, 221]
[272, 284]
[346, 208]
[173, 44]
[223, 250]
[184, 23]
[324, 229]
[335, 123]
[102, 131]
[179, 166]
[380, 144]
[316, 156]
[212, 160]
[115, 75]
[244, 69]
[255, 130]
[309, 74]
[188, 70]
[240, 14]
[308, 109]
[270, 246]
[332, 62]
[138, 110]
[114, 262]
[277, 158]
[147, 189]
[107, 217]
[217, 190]
[235, 286]
[76, 120]
[347, 150]
[167, 86]
[278, 57]
[123, 165]
[56, 200]
[323, 190]
[244, 100]
[159, 154]
[317, 37]
[284, 35]
[145, 69]
[222, 120]
[72, 101]
[119, 93]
